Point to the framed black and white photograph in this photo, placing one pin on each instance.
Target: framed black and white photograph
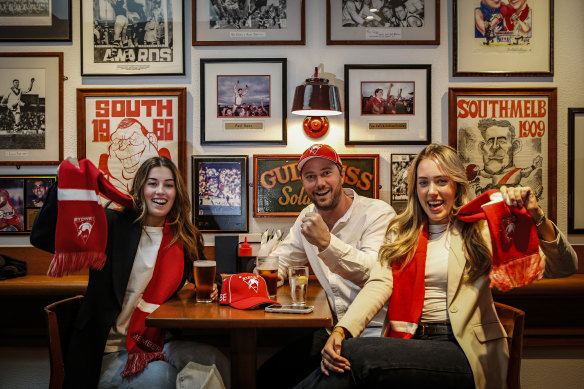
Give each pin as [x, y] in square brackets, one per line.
[35, 20]
[507, 136]
[383, 22]
[21, 198]
[220, 193]
[503, 38]
[250, 22]
[575, 170]
[243, 101]
[387, 104]
[132, 38]
[400, 165]
[31, 108]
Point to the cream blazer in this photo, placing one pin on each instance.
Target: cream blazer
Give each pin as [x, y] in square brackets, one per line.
[471, 310]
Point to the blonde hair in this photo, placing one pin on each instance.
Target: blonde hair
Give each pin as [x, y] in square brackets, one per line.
[401, 237]
[179, 219]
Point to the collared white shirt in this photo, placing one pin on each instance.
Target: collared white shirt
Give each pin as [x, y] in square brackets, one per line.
[344, 266]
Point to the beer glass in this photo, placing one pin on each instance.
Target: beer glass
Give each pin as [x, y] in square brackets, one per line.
[204, 279]
[298, 280]
[268, 269]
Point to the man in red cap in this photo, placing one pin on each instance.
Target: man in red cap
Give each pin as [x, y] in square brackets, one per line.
[339, 234]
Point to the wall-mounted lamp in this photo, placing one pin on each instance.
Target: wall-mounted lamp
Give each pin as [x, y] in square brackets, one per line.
[316, 99]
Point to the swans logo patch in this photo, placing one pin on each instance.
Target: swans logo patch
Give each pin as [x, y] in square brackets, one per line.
[252, 282]
[84, 227]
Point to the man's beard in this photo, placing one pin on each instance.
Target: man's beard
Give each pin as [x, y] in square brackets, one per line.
[336, 197]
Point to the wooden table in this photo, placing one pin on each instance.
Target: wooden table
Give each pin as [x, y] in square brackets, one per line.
[242, 325]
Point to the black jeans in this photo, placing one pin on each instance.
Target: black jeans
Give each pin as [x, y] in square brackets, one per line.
[398, 363]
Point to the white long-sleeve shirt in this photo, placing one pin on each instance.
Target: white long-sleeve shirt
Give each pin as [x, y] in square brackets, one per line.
[344, 266]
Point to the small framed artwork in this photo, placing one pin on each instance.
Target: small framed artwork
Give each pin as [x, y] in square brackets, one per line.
[132, 38]
[575, 170]
[31, 108]
[379, 22]
[258, 22]
[387, 104]
[507, 137]
[21, 198]
[243, 101]
[503, 38]
[278, 190]
[400, 166]
[118, 129]
[35, 21]
[220, 193]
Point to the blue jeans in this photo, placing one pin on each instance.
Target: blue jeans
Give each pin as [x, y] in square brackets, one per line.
[398, 363]
[161, 374]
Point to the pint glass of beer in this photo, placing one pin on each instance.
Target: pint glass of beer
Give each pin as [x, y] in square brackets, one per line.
[268, 269]
[204, 279]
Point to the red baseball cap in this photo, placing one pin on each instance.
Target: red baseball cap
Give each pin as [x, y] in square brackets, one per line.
[319, 151]
[245, 291]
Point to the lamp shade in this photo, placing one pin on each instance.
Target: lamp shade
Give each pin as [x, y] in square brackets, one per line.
[316, 98]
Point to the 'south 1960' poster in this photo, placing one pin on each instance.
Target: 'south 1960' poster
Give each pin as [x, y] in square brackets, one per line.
[506, 139]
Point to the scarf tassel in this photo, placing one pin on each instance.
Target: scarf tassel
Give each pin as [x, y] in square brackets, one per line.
[516, 273]
[138, 362]
[66, 263]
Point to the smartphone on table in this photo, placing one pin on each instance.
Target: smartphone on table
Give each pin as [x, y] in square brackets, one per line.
[275, 308]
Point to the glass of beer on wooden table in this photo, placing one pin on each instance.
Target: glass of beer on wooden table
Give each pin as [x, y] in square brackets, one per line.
[204, 279]
[267, 268]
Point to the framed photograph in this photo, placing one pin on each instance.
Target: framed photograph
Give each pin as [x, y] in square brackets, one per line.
[220, 193]
[243, 101]
[278, 190]
[118, 129]
[21, 198]
[400, 166]
[507, 137]
[387, 104]
[35, 21]
[31, 108]
[380, 22]
[575, 170]
[132, 38]
[258, 22]
[513, 38]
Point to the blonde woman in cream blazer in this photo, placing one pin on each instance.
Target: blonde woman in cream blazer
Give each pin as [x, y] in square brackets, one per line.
[474, 351]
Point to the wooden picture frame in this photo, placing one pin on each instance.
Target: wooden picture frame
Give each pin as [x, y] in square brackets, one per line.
[502, 47]
[37, 24]
[31, 108]
[21, 198]
[221, 26]
[243, 101]
[142, 41]
[400, 164]
[507, 136]
[401, 119]
[220, 202]
[575, 170]
[118, 129]
[278, 190]
[418, 23]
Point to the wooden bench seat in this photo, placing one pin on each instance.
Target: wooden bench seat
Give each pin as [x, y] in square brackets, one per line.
[39, 285]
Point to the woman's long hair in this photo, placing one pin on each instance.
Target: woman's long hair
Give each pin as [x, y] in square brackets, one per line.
[402, 233]
[183, 228]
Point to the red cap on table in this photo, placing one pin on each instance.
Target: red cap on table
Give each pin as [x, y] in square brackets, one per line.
[245, 291]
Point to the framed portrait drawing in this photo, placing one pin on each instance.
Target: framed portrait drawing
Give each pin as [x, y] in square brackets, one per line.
[507, 137]
[387, 104]
[35, 21]
[243, 101]
[575, 170]
[514, 39]
[31, 108]
[400, 165]
[220, 193]
[259, 22]
[137, 38]
[118, 129]
[355, 22]
[21, 198]
[278, 190]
